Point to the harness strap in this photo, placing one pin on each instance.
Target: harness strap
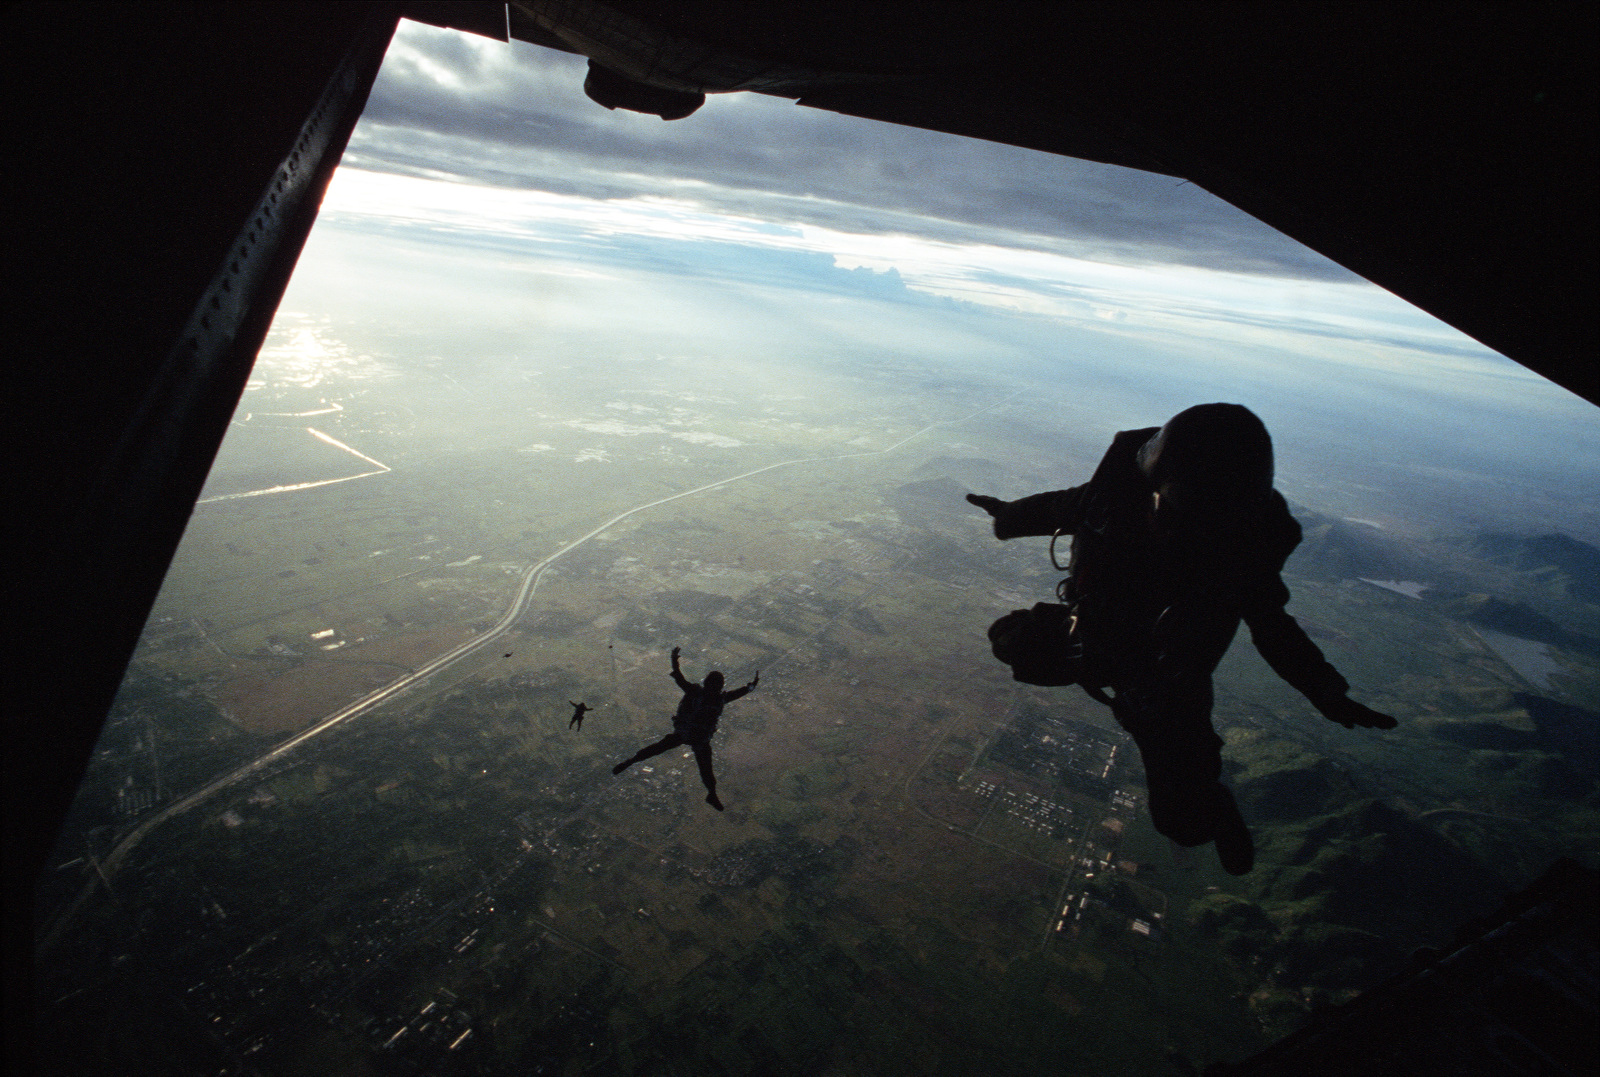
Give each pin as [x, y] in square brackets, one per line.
[1058, 565]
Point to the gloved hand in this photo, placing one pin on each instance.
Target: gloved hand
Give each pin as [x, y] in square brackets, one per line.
[997, 509]
[1036, 515]
[1348, 713]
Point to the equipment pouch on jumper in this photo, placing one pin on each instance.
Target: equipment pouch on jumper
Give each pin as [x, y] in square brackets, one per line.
[1043, 645]
[1038, 645]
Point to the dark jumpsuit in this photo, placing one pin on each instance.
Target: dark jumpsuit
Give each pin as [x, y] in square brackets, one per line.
[1157, 608]
[695, 721]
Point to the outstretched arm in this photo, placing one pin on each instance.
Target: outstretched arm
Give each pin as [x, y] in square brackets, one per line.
[1039, 514]
[729, 697]
[677, 674]
[1292, 656]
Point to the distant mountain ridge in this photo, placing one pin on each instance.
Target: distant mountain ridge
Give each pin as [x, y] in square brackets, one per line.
[1520, 620]
[1338, 549]
[932, 503]
[1560, 559]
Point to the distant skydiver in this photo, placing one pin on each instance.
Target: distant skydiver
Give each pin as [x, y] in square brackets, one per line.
[698, 712]
[1177, 537]
[578, 711]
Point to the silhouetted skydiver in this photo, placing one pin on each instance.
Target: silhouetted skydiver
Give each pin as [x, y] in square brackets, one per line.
[698, 713]
[1177, 537]
[578, 711]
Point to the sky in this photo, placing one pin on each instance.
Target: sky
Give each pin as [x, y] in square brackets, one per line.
[490, 154]
[465, 107]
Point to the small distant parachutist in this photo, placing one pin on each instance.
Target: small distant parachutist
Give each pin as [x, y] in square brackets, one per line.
[578, 711]
[696, 720]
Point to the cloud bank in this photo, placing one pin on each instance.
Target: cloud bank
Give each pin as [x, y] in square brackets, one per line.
[454, 106]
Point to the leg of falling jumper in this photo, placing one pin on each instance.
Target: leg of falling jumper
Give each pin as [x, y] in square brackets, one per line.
[1183, 767]
[671, 740]
[1182, 752]
[1182, 755]
[702, 756]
